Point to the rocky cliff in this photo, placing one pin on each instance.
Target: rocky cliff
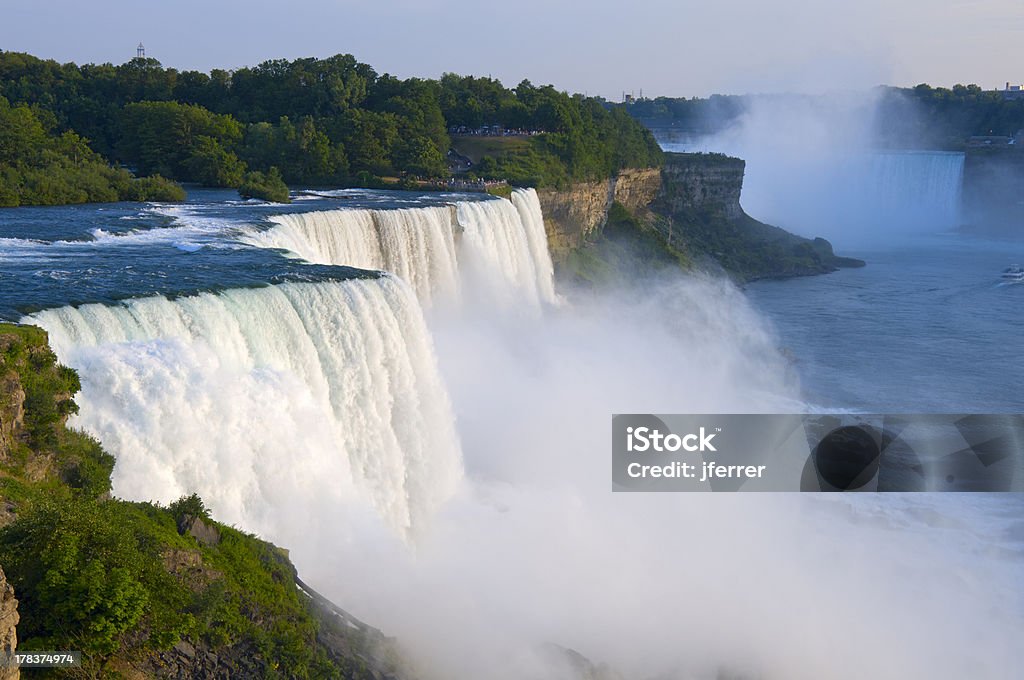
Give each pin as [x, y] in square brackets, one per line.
[701, 182]
[8, 627]
[572, 215]
[692, 207]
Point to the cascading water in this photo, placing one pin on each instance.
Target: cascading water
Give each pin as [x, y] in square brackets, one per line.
[494, 249]
[504, 249]
[255, 397]
[914, 187]
[854, 196]
[415, 244]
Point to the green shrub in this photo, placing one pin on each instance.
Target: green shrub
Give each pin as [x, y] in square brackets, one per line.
[265, 186]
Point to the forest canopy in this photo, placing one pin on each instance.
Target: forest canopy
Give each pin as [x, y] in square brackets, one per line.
[41, 167]
[319, 121]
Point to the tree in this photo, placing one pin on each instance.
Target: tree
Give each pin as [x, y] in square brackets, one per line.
[213, 166]
[76, 567]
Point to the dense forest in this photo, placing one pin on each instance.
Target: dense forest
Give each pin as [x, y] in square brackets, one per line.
[918, 117]
[41, 167]
[312, 121]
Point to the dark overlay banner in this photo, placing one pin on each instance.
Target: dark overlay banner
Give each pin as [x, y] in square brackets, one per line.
[833, 452]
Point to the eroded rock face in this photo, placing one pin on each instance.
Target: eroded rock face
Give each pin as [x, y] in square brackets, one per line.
[206, 534]
[636, 189]
[8, 627]
[571, 214]
[697, 181]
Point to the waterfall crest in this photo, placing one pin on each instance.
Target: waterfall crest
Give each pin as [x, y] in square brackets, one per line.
[496, 248]
[251, 396]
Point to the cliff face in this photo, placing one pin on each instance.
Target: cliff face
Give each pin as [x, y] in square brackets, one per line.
[692, 206]
[12, 408]
[702, 181]
[572, 215]
[637, 189]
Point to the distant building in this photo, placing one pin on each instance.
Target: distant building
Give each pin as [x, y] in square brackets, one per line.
[1013, 91]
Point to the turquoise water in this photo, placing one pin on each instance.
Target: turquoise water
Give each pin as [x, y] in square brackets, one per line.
[926, 326]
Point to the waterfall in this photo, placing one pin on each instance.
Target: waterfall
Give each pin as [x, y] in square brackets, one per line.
[849, 196]
[917, 186]
[415, 244]
[495, 249]
[258, 398]
[504, 248]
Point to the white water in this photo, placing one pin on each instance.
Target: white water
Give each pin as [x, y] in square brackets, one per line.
[258, 397]
[859, 194]
[280, 405]
[850, 196]
[813, 167]
[921, 185]
[493, 250]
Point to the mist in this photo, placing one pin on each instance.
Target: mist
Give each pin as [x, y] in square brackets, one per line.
[828, 165]
[534, 548]
[445, 477]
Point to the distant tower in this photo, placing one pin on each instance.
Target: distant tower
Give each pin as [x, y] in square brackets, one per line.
[140, 51]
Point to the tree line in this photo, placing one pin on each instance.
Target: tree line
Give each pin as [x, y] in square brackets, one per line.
[315, 121]
[41, 167]
[920, 117]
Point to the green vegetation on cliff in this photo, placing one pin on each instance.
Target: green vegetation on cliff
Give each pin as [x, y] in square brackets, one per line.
[140, 589]
[39, 166]
[319, 121]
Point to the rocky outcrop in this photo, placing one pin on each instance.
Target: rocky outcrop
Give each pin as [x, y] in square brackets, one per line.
[185, 661]
[205, 533]
[8, 628]
[636, 189]
[701, 182]
[692, 206]
[361, 649]
[570, 215]
[573, 214]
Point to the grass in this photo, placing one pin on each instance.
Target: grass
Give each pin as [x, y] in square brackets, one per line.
[475, 147]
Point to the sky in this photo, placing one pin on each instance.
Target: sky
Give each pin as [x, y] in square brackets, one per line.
[598, 47]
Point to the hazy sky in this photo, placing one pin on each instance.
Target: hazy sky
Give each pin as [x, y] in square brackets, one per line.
[678, 48]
